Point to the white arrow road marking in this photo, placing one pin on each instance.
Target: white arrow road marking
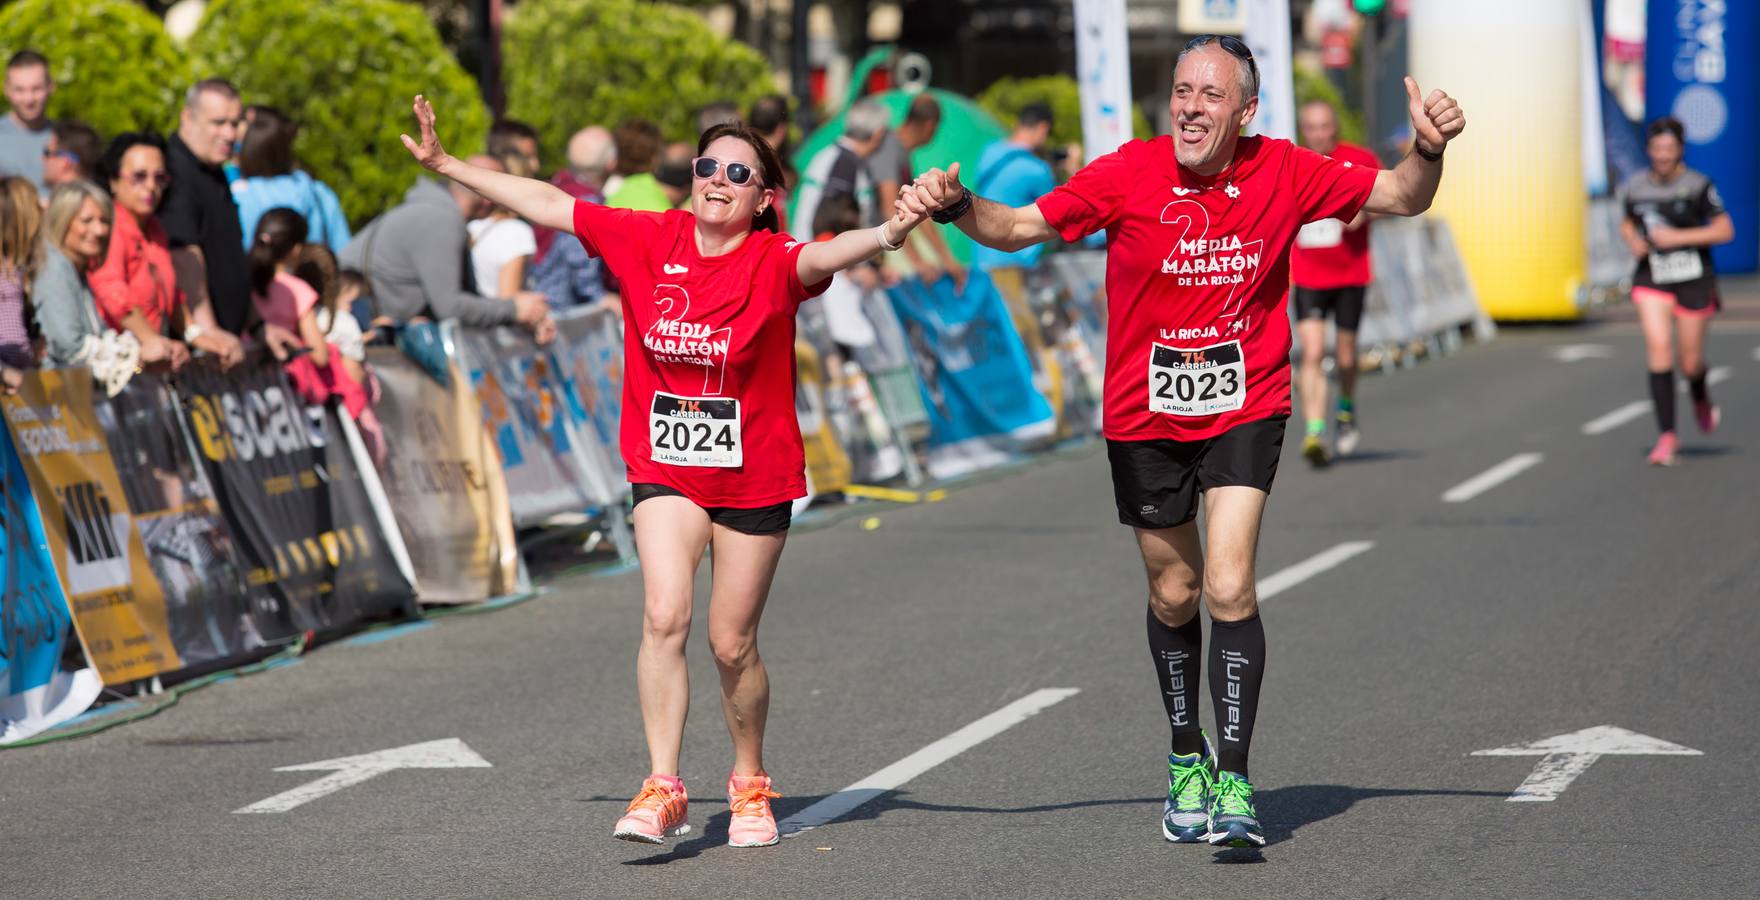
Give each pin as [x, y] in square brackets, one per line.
[1569, 353]
[1278, 582]
[892, 777]
[1565, 756]
[450, 753]
[1491, 477]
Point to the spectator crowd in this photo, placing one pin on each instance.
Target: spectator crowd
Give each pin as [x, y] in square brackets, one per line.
[140, 252]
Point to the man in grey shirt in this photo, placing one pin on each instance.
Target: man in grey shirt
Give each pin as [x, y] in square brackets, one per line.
[24, 130]
[413, 259]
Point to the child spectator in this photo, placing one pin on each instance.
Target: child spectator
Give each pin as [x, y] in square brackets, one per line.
[20, 216]
[282, 299]
[336, 291]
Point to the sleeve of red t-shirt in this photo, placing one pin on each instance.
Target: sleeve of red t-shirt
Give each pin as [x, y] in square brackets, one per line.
[1328, 188]
[611, 234]
[1091, 200]
[783, 265]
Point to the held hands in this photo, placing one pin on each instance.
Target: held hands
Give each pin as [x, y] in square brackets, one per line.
[933, 190]
[10, 380]
[1436, 119]
[221, 344]
[428, 151]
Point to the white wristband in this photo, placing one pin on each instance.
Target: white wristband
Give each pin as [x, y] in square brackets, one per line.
[880, 237]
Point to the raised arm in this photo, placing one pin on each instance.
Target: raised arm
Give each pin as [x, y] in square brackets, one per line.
[1408, 188]
[820, 260]
[538, 202]
[992, 224]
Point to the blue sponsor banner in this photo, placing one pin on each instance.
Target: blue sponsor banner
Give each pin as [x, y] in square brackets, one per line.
[973, 371]
[1702, 66]
[34, 693]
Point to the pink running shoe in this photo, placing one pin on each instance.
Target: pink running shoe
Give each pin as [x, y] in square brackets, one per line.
[1708, 415]
[1667, 450]
[753, 824]
[660, 811]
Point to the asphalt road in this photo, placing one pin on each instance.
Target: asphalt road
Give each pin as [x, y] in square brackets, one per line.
[1586, 590]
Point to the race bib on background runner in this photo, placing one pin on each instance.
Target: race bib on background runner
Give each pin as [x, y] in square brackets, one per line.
[1197, 381]
[695, 431]
[1323, 233]
[1676, 266]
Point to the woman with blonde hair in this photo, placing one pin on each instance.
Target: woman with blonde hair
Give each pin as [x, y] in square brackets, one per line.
[75, 236]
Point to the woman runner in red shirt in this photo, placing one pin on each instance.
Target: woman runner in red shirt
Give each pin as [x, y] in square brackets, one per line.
[709, 432]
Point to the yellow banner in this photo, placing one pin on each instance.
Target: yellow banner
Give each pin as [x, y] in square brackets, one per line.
[828, 466]
[118, 608]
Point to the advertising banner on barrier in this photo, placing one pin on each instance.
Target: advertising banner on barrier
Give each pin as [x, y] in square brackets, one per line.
[828, 466]
[211, 611]
[35, 626]
[293, 498]
[588, 356]
[973, 371]
[444, 483]
[117, 606]
[519, 392]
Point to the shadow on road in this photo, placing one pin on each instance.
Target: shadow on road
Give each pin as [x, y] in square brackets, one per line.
[1375, 456]
[1286, 809]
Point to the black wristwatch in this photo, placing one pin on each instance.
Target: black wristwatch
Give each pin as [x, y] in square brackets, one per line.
[1433, 157]
[954, 213]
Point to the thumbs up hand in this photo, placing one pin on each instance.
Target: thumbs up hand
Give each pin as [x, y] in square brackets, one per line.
[1436, 119]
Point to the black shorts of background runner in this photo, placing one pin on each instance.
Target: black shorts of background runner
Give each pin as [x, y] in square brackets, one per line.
[1344, 304]
[760, 520]
[1156, 483]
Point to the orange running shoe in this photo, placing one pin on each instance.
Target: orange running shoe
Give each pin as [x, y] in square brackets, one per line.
[660, 811]
[753, 824]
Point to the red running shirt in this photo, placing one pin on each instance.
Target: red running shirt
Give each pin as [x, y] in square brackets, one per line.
[709, 379]
[1326, 254]
[1196, 272]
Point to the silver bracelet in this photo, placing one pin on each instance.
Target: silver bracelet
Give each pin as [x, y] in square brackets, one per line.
[880, 238]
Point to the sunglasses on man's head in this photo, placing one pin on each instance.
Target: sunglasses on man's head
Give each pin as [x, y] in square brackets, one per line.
[160, 178]
[705, 167]
[1234, 46]
[63, 155]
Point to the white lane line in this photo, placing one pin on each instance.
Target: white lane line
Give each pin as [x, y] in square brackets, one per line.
[1633, 410]
[1717, 375]
[1278, 582]
[1637, 408]
[1757, 354]
[896, 775]
[1491, 477]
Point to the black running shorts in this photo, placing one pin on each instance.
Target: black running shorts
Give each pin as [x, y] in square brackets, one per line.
[1344, 304]
[1156, 483]
[760, 520]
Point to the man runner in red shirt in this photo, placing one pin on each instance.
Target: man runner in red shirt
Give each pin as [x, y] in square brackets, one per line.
[1199, 226]
[1329, 272]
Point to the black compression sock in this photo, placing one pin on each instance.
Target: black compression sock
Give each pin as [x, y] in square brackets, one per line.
[1178, 653]
[1662, 397]
[1697, 387]
[1237, 666]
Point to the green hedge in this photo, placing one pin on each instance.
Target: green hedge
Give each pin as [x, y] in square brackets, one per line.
[1005, 97]
[346, 70]
[572, 63]
[113, 64]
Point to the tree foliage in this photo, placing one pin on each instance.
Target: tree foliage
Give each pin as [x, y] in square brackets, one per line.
[1311, 85]
[113, 64]
[572, 63]
[1005, 98]
[346, 70]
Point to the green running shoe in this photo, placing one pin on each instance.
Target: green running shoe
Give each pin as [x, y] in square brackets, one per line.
[1185, 817]
[1233, 820]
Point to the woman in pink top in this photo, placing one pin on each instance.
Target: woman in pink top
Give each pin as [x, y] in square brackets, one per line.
[285, 300]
